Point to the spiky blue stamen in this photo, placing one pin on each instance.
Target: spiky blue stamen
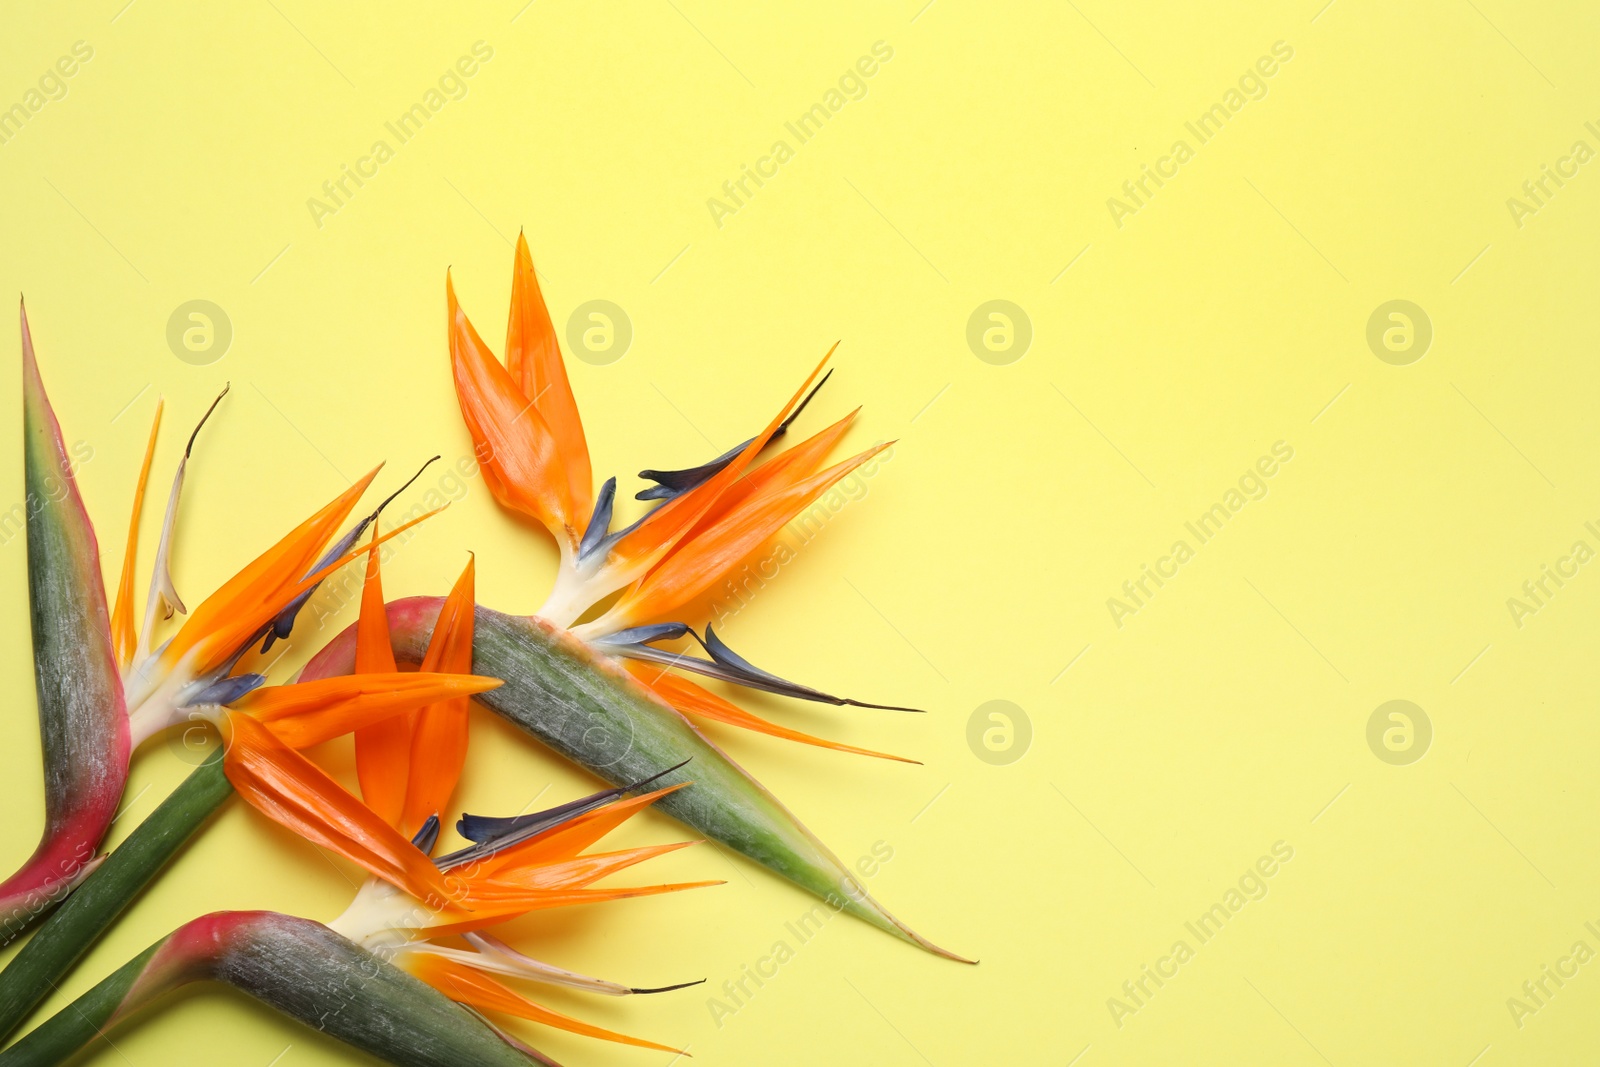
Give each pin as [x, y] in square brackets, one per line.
[491, 834]
[725, 665]
[280, 626]
[670, 484]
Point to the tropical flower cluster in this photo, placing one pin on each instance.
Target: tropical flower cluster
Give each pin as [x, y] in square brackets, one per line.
[599, 674]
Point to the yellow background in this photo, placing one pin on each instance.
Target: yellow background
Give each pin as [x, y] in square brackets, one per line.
[1229, 313]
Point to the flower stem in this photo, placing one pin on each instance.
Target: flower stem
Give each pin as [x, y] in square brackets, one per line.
[58, 1038]
[297, 967]
[78, 923]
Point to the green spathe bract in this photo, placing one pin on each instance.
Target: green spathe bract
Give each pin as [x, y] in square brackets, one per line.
[74, 927]
[83, 723]
[589, 710]
[557, 690]
[297, 966]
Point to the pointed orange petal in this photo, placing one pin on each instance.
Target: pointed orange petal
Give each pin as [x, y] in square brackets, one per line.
[494, 902]
[124, 631]
[636, 553]
[316, 576]
[464, 984]
[374, 651]
[571, 838]
[698, 564]
[516, 450]
[383, 749]
[533, 359]
[439, 737]
[309, 713]
[293, 791]
[250, 598]
[800, 461]
[581, 871]
[696, 700]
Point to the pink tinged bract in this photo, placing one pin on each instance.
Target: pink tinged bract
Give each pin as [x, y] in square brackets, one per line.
[83, 722]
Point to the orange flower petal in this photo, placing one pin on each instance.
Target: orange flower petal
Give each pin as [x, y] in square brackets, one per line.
[571, 838]
[124, 631]
[582, 871]
[640, 550]
[800, 461]
[383, 749]
[464, 984]
[494, 902]
[309, 713]
[293, 791]
[533, 359]
[250, 598]
[516, 451]
[692, 699]
[699, 563]
[439, 736]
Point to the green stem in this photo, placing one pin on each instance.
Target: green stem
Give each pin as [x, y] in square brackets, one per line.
[66, 1033]
[299, 968]
[77, 924]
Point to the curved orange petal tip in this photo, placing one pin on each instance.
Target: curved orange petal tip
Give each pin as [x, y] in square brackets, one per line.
[493, 902]
[789, 466]
[439, 737]
[292, 791]
[717, 548]
[671, 483]
[309, 713]
[696, 700]
[568, 839]
[383, 747]
[124, 631]
[533, 359]
[582, 871]
[638, 551]
[467, 985]
[315, 578]
[250, 599]
[516, 449]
